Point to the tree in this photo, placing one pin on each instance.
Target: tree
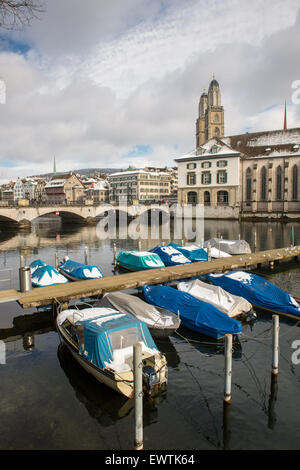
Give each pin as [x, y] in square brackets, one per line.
[16, 14]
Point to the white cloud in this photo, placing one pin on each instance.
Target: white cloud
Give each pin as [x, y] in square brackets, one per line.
[99, 81]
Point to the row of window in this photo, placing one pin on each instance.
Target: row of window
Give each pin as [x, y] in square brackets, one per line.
[206, 178]
[220, 164]
[279, 183]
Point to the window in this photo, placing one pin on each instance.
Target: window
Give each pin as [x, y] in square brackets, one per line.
[295, 183]
[206, 177]
[222, 198]
[191, 178]
[205, 164]
[279, 183]
[248, 184]
[192, 197]
[221, 163]
[263, 183]
[206, 198]
[221, 177]
[191, 166]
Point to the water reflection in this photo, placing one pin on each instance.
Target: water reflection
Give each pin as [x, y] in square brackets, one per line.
[102, 403]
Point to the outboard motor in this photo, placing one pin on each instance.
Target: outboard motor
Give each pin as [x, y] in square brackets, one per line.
[150, 378]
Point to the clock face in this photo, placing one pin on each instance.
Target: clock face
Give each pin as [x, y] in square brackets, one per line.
[2, 91]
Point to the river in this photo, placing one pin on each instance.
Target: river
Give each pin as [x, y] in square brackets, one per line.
[48, 402]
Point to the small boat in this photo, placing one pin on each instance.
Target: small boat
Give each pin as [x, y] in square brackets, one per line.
[194, 313]
[161, 322]
[77, 271]
[259, 292]
[231, 305]
[138, 260]
[170, 256]
[102, 339]
[232, 247]
[192, 252]
[43, 275]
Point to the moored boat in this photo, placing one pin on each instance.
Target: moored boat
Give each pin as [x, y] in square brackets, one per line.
[170, 256]
[138, 260]
[194, 313]
[102, 339]
[258, 291]
[77, 271]
[192, 252]
[232, 247]
[231, 305]
[161, 322]
[43, 275]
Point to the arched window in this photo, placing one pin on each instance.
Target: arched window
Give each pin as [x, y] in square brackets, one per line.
[217, 132]
[263, 176]
[192, 197]
[279, 183]
[295, 183]
[248, 184]
[222, 198]
[206, 198]
[216, 118]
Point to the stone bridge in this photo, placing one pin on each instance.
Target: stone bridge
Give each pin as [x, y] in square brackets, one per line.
[22, 217]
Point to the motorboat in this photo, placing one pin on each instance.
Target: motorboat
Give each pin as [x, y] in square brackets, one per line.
[75, 271]
[192, 252]
[258, 291]
[43, 274]
[138, 260]
[161, 322]
[170, 256]
[194, 313]
[231, 305]
[231, 247]
[102, 339]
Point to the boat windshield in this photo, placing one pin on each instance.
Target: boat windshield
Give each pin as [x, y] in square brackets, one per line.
[124, 338]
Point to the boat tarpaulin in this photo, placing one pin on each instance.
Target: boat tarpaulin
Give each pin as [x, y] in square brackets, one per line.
[79, 270]
[170, 256]
[231, 305]
[139, 260]
[258, 291]
[47, 276]
[38, 263]
[101, 336]
[145, 312]
[232, 247]
[194, 313]
[192, 252]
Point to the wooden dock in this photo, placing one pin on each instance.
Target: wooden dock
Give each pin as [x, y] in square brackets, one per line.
[75, 290]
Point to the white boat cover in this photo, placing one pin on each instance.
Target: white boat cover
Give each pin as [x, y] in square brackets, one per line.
[232, 247]
[230, 304]
[154, 317]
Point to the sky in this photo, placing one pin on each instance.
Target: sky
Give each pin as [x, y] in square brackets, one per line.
[112, 84]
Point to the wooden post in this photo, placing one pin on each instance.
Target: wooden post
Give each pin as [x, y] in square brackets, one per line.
[255, 240]
[86, 255]
[115, 253]
[138, 395]
[293, 236]
[208, 252]
[56, 259]
[22, 263]
[140, 244]
[275, 357]
[228, 368]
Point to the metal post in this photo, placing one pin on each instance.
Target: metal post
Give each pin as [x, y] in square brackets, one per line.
[228, 368]
[138, 395]
[25, 279]
[86, 255]
[275, 320]
[208, 252]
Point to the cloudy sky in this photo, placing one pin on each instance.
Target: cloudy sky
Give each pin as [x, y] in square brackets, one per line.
[111, 84]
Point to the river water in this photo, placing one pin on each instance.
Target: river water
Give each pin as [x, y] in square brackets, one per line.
[48, 402]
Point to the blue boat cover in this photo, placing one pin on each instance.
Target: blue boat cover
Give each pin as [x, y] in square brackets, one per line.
[194, 313]
[47, 276]
[38, 263]
[103, 334]
[170, 256]
[80, 271]
[193, 253]
[257, 291]
[139, 260]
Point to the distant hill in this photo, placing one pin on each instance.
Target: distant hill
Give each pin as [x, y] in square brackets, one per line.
[82, 171]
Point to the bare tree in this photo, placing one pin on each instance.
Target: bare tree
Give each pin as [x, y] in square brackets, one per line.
[16, 14]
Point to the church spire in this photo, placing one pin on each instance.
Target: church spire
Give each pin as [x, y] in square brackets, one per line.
[284, 119]
[54, 166]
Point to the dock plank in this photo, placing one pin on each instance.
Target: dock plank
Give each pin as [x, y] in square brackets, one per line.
[78, 289]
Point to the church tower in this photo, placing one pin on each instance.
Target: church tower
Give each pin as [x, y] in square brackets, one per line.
[210, 122]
